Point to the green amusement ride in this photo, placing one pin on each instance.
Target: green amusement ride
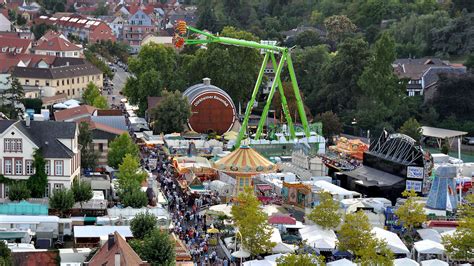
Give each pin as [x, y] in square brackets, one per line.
[270, 50]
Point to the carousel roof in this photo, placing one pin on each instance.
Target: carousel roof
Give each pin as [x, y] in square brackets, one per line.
[245, 160]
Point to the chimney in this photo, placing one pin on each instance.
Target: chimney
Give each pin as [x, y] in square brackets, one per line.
[206, 81]
[111, 241]
[27, 120]
[117, 259]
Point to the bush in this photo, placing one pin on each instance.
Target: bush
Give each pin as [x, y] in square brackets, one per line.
[18, 191]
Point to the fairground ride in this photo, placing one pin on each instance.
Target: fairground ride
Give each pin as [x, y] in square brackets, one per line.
[182, 33]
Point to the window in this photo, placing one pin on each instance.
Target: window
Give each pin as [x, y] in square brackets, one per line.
[12, 145]
[18, 145]
[58, 186]
[58, 168]
[47, 83]
[18, 167]
[72, 80]
[47, 190]
[8, 166]
[67, 81]
[27, 82]
[37, 82]
[63, 82]
[101, 147]
[29, 169]
[57, 83]
[47, 167]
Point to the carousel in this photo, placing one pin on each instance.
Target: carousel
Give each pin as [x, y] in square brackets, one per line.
[243, 164]
[192, 171]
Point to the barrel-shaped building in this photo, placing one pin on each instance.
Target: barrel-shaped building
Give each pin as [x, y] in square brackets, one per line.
[212, 109]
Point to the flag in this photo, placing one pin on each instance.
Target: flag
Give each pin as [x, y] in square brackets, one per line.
[449, 206]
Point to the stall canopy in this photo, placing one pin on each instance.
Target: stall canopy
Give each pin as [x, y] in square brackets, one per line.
[405, 262]
[341, 262]
[429, 234]
[92, 231]
[281, 219]
[429, 247]
[192, 164]
[394, 242]
[318, 238]
[434, 262]
[441, 134]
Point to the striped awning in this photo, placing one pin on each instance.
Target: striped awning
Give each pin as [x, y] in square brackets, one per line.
[245, 160]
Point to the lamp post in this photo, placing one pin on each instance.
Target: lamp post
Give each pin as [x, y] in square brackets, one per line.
[241, 243]
[354, 124]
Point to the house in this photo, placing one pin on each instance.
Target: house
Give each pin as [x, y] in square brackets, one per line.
[58, 142]
[56, 44]
[86, 29]
[116, 24]
[9, 61]
[75, 114]
[5, 24]
[420, 72]
[137, 27]
[14, 45]
[116, 251]
[29, 11]
[151, 38]
[70, 80]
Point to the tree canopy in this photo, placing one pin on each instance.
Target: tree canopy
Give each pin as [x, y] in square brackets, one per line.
[171, 114]
[119, 147]
[92, 97]
[88, 155]
[61, 200]
[326, 214]
[157, 248]
[410, 213]
[82, 191]
[37, 183]
[142, 225]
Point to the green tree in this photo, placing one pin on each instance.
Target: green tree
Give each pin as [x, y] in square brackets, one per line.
[411, 128]
[101, 10]
[18, 191]
[130, 176]
[453, 38]
[452, 97]
[252, 223]
[410, 214]
[171, 114]
[331, 124]
[307, 38]
[61, 200]
[119, 147]
[88, 155]
[326, 214]
[207, 19]
[100, 102]
[355, 233]
[33, 103]
[134, 198]
[142, 225]
[40, 29]
[459, 245]
[38, 182]
[5, 254]
[15, 94]
[339, 27]
[90, 94]
[470, 62]
[376, 252]
[300, 260]
[382, 90]
[156, 248]
[82, 191]
[93, 59]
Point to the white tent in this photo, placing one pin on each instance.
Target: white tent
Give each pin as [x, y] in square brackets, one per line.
[341, 262]
[429, 234]
[283, 248]
[434, 262]
[274, 257]
[60, 106]
[429, 247]
[394, 242]
[223, 188]
[448, 233]
[318, 238]
[72, 102]
[259, 263]
[405, 262]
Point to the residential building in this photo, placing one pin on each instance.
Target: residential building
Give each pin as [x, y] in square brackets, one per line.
[421, 72]
[5, 24]
[56, 44]
[14, 45]
[151, 38]
[102, 135]
[58, 142]
[9, 61]
[138, 26]
[75, 114]
[116, 251]
[70, 80]
[91, 30]
[29, 10]
[116, 24]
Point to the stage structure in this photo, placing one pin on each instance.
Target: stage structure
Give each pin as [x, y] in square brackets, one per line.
[182, 32]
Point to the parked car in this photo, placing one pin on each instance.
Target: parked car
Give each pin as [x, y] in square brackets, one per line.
[468, 140]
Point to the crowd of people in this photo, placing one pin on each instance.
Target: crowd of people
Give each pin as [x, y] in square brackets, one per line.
[190, 222]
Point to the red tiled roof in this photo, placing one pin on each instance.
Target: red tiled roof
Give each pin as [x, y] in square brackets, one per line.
[76, 112]
[133, 8]
[281, 219]
[17, 43]
[34, 258]
[8, 61]
[106, 255]
[57, 43]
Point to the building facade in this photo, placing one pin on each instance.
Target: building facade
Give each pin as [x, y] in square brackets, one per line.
[58, 142]
[138, 26]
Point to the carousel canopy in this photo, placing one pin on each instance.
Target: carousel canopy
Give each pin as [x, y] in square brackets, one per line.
[193, 164]
[245, 160]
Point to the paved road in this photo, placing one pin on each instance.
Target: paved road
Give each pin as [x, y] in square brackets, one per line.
[120, 78]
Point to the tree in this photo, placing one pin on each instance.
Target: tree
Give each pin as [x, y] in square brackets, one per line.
[156, 248]
[410, 214]
[88, 156]
[453, 97]
[40, 29]
[61, 200]
[308, 38]
[338, 27]
[91, 96]
[331, 124]
[101, 10]
[411, 128]
[82, 191]
[207, 19]
[382, 90]
[470, 62]
[38, 182]
[142, 225]
[130, 174]
[459, 245]
[5, 254]
[252, 223]
[355, 233]
[300, 260]
[93, 59]
[134, 198]
[454, 38]
[18, 191]
[33, 103]
[119, 147]
[326, 213]
[376, 252]
[171, 114]
[15, 95]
